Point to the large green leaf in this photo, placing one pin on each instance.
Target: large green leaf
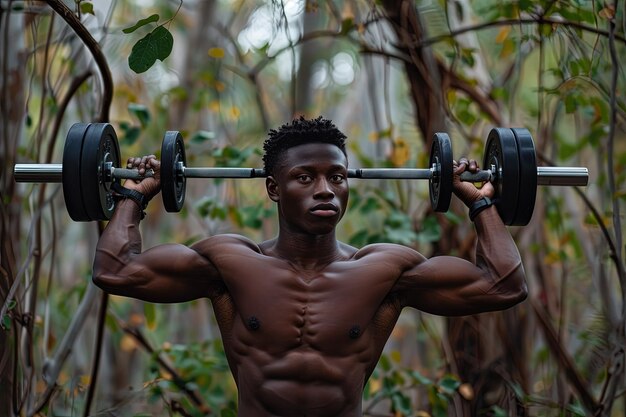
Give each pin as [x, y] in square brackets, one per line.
[155, 45]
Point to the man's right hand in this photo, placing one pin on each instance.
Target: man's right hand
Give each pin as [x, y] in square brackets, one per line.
[148, 186]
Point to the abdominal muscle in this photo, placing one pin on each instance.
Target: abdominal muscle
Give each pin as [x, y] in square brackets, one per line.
[301, 383]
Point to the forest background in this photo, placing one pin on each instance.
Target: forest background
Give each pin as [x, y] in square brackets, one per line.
[389, 73]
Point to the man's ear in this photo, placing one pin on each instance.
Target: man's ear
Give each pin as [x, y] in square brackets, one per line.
[272, 188]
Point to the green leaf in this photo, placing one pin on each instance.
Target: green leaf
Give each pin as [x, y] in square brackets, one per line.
[141, 23]
[359, 239]
[130, 133]
[497, 411]
[419, 378]
[209, 207]
[141, 112]
[252, 216]
[449, 383]
[202, 136]
[236, 216]
[347, 25]
[366, 390]
[401, 403]
[576, 409]
[431, 230]
[86, 8]
[6, 322]
[384, 363]
[111, 323]
[155, 45]
[164, 42]
[149, 310]
[400, 236]
[370, 204]
[438, 402]
[571, 103]
[227, 412]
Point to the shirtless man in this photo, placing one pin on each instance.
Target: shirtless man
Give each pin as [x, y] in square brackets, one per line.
[303, 317]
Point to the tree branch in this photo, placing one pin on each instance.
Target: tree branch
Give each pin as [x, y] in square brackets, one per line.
[93, 46]
[514, 22]
[176, 378]
[578, 383]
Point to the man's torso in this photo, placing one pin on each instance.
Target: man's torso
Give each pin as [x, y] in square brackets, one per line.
[304, 341]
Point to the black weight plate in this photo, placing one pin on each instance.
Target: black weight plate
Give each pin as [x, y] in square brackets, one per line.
[527, 177]
[501, 156]
[173, 182]
[72, 190]
[440, 183]
[100, 146]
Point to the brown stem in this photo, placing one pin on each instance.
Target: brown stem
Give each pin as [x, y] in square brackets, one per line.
[71, 91]
[512, 22]
[567, 363]
[102, 313]
[136, 334]
[81, 31]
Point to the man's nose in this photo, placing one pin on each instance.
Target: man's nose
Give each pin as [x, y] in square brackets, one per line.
[323, 189]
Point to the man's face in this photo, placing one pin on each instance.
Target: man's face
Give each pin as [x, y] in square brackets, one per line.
[311, 188]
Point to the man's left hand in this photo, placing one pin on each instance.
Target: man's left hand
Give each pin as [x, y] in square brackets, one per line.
[467, 191]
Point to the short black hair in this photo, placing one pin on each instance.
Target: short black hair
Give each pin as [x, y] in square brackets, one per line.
[299, 132]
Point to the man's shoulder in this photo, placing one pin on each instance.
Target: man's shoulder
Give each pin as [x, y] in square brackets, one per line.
[389, 250]
[225, 242]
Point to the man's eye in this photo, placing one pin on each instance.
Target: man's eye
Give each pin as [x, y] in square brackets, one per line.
[304, 179]
[337, 178]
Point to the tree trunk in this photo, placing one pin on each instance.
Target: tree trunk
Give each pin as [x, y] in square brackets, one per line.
[421, 69]
[11, 122]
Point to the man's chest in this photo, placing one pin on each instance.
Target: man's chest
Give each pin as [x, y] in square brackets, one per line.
[284, 307]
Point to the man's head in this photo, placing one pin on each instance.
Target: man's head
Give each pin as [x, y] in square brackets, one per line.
[299, 132]
[306, 167]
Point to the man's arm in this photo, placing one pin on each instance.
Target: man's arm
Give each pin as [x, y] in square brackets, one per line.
[165, 273]
[452, 286]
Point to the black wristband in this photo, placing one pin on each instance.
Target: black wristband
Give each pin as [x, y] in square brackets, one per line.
[139, 198]
[478, 206]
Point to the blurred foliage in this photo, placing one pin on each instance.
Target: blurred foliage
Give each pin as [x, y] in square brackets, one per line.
[225, 72]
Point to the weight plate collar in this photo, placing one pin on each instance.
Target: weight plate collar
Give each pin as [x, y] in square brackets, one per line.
[502, 158]
[440, 183]
[173, 181]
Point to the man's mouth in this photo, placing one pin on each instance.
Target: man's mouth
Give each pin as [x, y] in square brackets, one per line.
[325, 210]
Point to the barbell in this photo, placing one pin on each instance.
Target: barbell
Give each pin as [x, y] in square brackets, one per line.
[91, 164]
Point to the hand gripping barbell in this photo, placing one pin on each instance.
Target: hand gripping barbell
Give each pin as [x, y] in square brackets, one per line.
[91, 164]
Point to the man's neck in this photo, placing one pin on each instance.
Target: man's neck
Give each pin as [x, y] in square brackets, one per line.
[306, 251]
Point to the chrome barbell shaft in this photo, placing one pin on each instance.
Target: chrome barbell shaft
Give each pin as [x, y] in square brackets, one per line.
[563, 176]
[38, 172]
[559, 176]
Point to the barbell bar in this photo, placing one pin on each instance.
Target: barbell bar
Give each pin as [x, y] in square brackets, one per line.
[91, 156]
[554, 176]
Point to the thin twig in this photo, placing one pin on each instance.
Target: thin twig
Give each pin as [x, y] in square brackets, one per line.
[136, 334]
[52, 366]
[102, 313]
[576, 380]
[512, 22]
